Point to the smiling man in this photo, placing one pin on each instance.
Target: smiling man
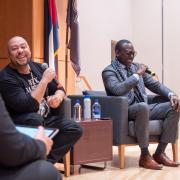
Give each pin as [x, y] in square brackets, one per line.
[32, 95]
[19, 52]
[127, 78]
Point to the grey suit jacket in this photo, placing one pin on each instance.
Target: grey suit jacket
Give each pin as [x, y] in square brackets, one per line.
[116, 86]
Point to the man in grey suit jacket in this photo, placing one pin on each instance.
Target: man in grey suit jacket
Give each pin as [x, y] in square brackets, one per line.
[126, 78]
[21, 157]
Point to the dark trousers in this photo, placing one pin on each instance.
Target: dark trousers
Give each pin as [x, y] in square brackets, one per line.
[69, 132]
[37, 170]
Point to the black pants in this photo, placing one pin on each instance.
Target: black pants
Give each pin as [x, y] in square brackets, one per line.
[37, 170]
[69, 132]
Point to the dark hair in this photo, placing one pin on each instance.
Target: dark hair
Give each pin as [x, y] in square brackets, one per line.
[120, 43]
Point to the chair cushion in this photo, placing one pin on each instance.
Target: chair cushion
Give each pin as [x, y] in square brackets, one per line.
[155, 127]
[94, 93]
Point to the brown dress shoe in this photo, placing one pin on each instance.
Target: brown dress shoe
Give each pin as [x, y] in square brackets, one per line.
[163, 159]
[149, 163]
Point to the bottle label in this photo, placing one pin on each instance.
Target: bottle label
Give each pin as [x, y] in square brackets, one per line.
[96, 116]
[96, 112]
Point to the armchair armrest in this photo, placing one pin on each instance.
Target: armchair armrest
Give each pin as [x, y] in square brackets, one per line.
[118, 110]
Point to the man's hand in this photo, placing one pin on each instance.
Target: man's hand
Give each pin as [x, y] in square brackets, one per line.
[42, 137]
[141, 69]
[48, 75]
[54, 100]
[38, 92]
[175, 102]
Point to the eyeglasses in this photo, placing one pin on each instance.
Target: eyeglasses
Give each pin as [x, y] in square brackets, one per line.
[130, 53]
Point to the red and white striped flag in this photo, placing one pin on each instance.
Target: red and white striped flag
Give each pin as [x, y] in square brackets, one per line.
[51, 40]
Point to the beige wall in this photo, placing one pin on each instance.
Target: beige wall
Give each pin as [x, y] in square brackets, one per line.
[172, 44]
[137, 20]
[152, 43]
[147, 33]
[100, 22]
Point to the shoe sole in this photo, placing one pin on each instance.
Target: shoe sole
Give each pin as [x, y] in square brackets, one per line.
[150, 168]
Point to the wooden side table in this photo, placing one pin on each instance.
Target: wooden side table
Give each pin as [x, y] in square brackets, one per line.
[95, 145]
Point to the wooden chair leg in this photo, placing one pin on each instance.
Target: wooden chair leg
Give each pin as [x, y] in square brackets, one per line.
[66, 160]
[121, 149]
[65, 166]
[175, 150]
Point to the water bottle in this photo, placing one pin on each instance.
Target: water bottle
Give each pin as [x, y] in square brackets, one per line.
[77, 111]
[96, 110]
[87, 107]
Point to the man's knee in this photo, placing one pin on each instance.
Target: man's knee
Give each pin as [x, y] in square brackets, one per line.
[79, 131]
[143, 107]
[76, 129]
[142, 116]
[175, 116]
[172, 112]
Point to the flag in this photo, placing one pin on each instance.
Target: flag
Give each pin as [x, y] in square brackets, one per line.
[73, 45]
[51, 41]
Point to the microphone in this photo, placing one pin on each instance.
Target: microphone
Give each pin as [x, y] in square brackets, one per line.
[44, 66]
[150, 72]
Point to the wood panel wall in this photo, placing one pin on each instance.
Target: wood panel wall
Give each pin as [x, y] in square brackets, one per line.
[26, 18]
[15, 19]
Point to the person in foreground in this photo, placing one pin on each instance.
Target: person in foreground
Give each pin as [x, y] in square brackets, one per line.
[21, 157]
[127, 78]
[32, 96]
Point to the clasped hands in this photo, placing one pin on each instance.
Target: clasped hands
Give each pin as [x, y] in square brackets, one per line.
[54, 100]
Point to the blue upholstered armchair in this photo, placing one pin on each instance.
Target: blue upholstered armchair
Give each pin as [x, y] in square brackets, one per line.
[123, 130]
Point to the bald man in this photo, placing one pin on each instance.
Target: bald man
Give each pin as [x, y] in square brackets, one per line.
[32, 97]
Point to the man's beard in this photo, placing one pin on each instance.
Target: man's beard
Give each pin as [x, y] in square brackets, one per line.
[17, 64]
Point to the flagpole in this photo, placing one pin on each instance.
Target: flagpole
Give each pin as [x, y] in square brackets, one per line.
[66, 57]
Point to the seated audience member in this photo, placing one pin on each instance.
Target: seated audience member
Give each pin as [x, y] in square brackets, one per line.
[21, 157]
[31, 96]
[123, 77]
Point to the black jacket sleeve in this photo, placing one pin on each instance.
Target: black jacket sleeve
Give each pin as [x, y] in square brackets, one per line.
[15, 96]
[16, 148]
